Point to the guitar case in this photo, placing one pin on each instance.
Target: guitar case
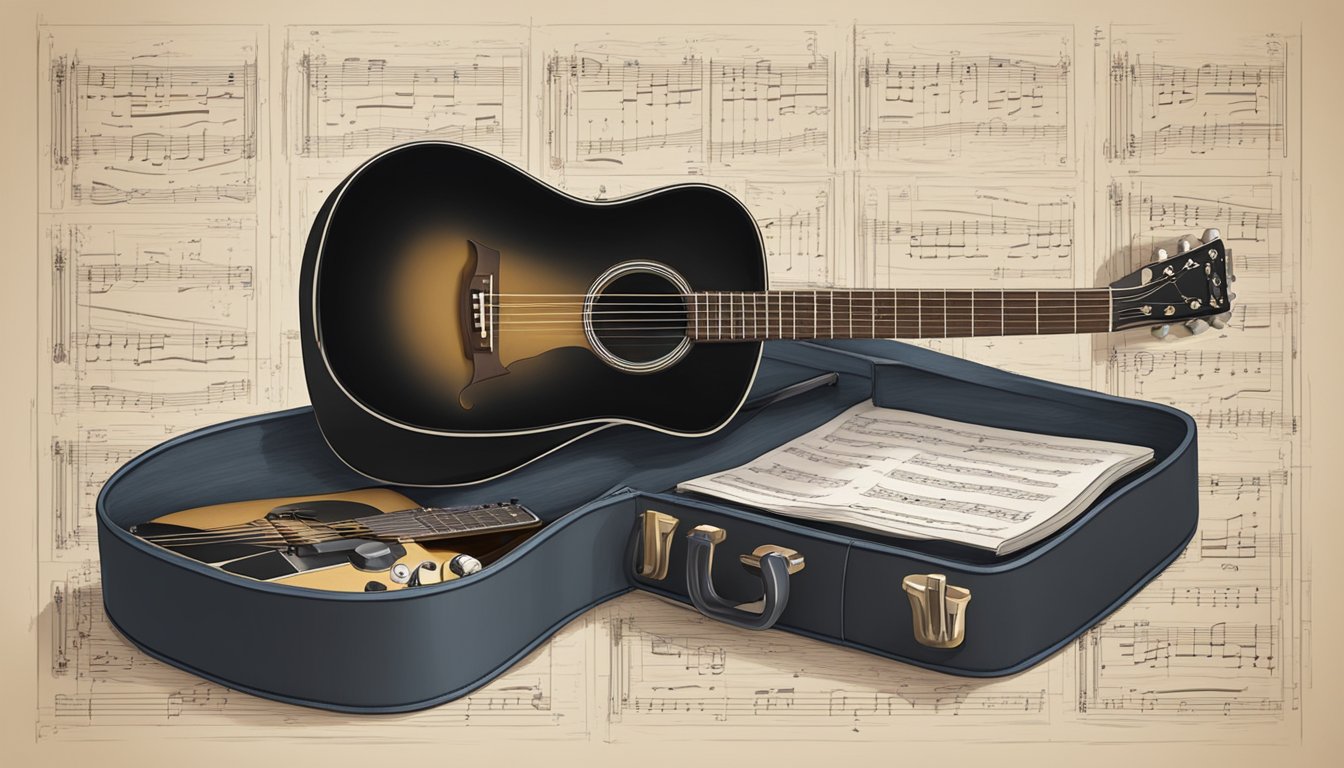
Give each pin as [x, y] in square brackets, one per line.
[937, 605]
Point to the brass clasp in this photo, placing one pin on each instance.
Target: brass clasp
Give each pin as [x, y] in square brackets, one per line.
[656, 539]
[792, 556]
[939, 609]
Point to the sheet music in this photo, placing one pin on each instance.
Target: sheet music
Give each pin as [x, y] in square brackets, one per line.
[181, 165]
[917, 476]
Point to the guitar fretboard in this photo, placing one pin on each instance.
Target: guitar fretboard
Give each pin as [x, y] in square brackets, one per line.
[895, 314]
[429, 523]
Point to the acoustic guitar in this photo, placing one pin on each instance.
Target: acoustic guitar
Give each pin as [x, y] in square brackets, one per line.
[461, 318]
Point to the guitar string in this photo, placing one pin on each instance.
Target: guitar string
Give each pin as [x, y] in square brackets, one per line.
[256, 528]
[313, 536]
[253, 532]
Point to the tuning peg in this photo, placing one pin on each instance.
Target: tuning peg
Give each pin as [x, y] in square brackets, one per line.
[1210, 235]
[1197, 326]
[1161, 254]
[1186, 244]
[1219, 321]
[1161, 331]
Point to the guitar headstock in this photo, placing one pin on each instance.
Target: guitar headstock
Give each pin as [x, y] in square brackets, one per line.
[1191, 286]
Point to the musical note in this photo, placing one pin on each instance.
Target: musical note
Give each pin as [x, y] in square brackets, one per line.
[365, 92]
[923, 102]
[165, 121]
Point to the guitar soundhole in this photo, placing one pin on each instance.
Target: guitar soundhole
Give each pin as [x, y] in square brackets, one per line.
[637, 317]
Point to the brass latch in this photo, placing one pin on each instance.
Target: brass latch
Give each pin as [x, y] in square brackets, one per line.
[795, 560]
[656, 539]
[939, 609]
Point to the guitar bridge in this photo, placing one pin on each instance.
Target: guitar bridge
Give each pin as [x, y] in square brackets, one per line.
[480, 316]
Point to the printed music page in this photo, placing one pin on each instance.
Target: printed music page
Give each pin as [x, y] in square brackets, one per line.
[917, 476]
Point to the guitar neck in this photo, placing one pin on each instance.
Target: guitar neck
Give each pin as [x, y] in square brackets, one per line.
[891, 314]
[431, 523]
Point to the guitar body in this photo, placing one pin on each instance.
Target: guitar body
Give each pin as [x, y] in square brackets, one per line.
[398, 349]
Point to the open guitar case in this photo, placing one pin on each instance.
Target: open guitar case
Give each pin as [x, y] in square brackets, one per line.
[937, 605]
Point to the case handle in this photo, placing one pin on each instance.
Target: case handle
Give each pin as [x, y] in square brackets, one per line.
[776, 564]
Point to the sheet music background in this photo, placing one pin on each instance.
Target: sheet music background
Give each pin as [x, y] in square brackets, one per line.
[180, 164]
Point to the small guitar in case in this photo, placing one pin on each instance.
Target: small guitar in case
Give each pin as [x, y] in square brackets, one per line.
[368, 540]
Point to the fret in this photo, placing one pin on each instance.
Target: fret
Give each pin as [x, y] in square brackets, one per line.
[886, 315]
[960, 319]
[779, 315]
[1056, 313]
[1019, 312]
[932, 315]
[793, 321]
[767, 315]
[1094, 310]
[755, 317]
[830, 314]
[907, 315]
[861, 314]
[849, 311]
[986, 313]
[804, 318]
[841, 303]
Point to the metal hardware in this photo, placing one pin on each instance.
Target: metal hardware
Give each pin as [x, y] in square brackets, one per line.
[753, 560]
[1197, 326]
[463, 565]
[480, 321]
[938, 609]
[775, 564]
[656, 540]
